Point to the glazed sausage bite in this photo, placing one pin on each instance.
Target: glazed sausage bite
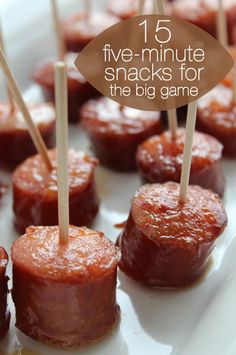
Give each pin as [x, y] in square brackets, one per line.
[15, 142]
[203, 13]
[79, 90]
[115, 133]
[71, 289]
[81, 28]
[216, 115]
[166, 243]
[4, 313]
[35, 191]
[160, 159]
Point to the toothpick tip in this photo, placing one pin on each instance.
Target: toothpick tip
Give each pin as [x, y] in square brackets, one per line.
[60, 64]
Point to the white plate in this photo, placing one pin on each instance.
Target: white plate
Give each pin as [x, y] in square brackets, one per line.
[194, 321]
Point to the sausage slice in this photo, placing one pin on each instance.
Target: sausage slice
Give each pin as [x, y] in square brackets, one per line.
[166, 243]
[81, 28]
[79, 90]
[65, 295]
[35, 197]
[160, 159]
[115, 133]
[15, 142]
[216, 115]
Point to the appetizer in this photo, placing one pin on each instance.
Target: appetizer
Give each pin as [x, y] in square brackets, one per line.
[115, 131]
[79, 90]
[217, 116]
[166, 243]
[15, 142]
[65, 294]
[80, 28]
[35, 196]
[160, 158]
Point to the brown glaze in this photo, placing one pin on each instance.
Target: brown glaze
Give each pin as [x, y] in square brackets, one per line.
[79, 90]
[71, 289]
[15, 142]
[160, 159]
[4, 313]
[166, 243]
[115, 134]
[81, 28]
[202, 13]
[35, 191]
[217, 116]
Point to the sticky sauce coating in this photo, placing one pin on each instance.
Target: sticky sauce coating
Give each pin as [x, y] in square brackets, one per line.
[160, 159]
[166, 243]
[87, 256]
[34, 176]
[155, 206]
[113, 131]
[105, 116]
[81, 28]
[217, 116]
[71, 289]
[35, 191]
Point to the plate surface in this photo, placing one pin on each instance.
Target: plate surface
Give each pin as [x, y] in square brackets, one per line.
[197, 320]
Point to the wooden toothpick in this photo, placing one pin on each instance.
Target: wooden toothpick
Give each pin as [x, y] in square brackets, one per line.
[171, 114]
[9, 95]
[141, 4]
[59, 36]
[186, 167]
[88, 6]
[155, 9]
[160, 5]
[62, 150]
[222, 32]
[33, 129]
